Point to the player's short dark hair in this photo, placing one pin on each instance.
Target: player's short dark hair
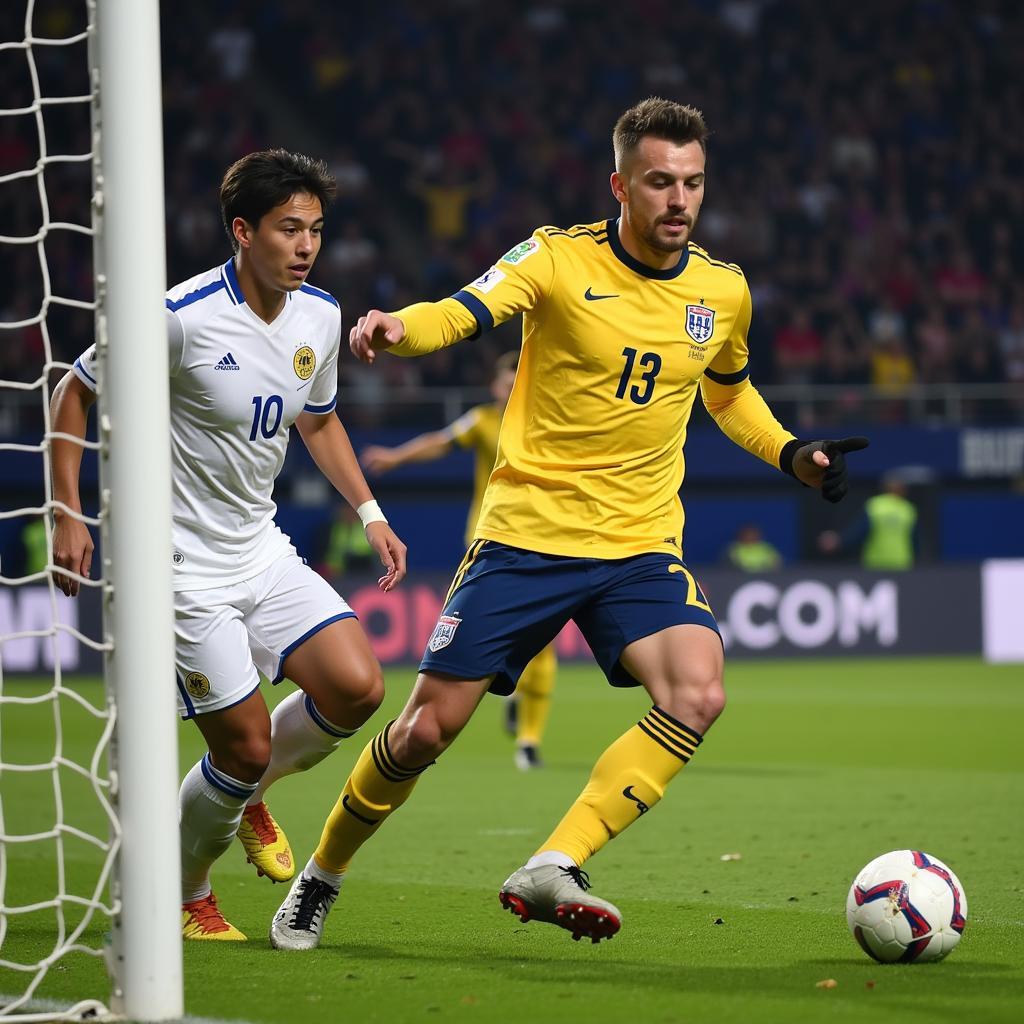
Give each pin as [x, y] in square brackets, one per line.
[260, 181]
[506, 361]
[659, 119]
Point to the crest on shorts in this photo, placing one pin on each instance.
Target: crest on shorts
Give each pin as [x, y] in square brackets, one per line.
[304, 363]
[700, 323]
[444, 632]
[197, 685]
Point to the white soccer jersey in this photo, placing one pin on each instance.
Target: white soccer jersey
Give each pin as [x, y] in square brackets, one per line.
[237, 386]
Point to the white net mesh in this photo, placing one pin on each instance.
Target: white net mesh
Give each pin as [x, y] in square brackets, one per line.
[58, 830]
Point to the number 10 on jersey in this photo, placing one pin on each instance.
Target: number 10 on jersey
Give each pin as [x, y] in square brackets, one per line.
[266, 415]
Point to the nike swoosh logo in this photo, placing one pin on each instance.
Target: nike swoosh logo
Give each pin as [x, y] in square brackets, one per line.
[591, 297]
[630, 795]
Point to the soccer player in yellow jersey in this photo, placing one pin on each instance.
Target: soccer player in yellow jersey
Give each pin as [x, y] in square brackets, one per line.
[623, 320]
[478, 429]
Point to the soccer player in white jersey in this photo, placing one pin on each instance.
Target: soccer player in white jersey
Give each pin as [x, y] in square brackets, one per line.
[253, 350]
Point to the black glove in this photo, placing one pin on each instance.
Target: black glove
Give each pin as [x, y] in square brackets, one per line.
[797, 462]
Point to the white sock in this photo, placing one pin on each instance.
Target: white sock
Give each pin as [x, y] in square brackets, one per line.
[555, 857]
[210, 805]
[313, 870]
[300, 737]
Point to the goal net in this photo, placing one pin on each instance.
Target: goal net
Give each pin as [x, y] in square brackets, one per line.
[89, 907]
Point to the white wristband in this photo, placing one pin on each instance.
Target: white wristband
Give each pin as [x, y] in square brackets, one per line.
[369, 512]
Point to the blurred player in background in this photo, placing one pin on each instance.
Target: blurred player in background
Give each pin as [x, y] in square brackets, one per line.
[751, 552]
[341, 545]
[885, 531]
[253, 350]
[623, 320]
[526, 710]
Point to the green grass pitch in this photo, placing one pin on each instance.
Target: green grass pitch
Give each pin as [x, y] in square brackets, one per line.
[815, 768]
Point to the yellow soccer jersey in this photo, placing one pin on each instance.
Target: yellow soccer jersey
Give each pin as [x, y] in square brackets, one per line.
[478, 429]
[590, 454]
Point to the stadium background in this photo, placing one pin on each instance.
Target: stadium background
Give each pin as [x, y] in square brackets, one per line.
[860, 170]
[866, 172]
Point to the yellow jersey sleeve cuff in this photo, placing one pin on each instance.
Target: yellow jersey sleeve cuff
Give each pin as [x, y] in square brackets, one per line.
[728, 379]
[481, 314]
[430, 326]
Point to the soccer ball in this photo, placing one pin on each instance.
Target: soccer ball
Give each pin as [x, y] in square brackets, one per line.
[906, 907]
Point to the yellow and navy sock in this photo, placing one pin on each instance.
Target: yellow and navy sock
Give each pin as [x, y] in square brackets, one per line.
[534, 696]
[377, 786]
[629, 778]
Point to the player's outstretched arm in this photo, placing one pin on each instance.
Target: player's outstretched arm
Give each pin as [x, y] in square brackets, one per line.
[374, 332]
[821, 464]
[327, 442]
[72, 543]
[427, 447]
[390, 550]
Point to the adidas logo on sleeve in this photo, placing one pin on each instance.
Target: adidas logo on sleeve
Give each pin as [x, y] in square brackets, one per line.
[227, 363]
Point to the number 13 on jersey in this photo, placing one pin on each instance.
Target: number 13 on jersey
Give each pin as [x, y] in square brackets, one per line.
[650, 366]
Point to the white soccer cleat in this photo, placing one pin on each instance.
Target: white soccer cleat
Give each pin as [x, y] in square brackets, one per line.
[299, 921]
[527, 757]
[558, 895]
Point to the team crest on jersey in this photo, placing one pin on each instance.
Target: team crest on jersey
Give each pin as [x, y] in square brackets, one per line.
[700, 323]
[520, 252]
[304, 363]
[444, 632]
[197, 685]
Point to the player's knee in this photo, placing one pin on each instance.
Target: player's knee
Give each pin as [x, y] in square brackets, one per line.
[366, 691]
[696, 700]
[354, 695]
[713, 701]
[419, 738]
[245, 758]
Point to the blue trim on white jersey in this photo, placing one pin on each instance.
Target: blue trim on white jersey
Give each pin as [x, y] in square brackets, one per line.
[482, 315]
[302, 639]
[328, 727]
[319, 293]
[230, 278]
[321, 410]
[85, 372]
[199, 293]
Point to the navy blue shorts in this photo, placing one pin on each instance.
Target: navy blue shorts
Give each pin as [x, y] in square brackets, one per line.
[507, 604]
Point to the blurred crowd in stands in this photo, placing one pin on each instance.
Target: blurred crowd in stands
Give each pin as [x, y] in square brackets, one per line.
[865, 167]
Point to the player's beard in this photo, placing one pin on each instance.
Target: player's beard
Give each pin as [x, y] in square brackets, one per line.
[659, 244]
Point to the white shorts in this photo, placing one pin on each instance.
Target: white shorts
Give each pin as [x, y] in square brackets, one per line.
[224, 635]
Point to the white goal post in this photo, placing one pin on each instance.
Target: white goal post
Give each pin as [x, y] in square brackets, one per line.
[138, 789]
[136, 481]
